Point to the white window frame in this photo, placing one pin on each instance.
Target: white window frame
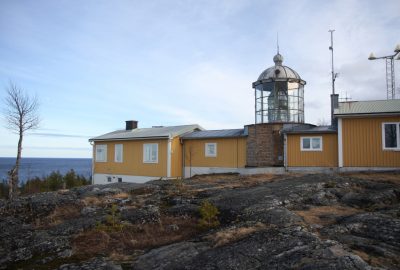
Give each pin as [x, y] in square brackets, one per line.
[149, 159]
[207, 152]
[102, 147]
[397, 124]
[311, 147]
[118, 147]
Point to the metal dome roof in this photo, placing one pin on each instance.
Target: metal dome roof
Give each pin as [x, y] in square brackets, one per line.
[279, 71]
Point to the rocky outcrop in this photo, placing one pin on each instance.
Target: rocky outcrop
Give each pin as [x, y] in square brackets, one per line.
[283, 222]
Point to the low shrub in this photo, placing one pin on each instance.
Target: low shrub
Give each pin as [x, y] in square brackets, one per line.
[54, 181]
[209, 215]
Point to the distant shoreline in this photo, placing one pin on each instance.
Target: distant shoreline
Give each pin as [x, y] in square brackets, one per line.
[32, 167]
[51, 157]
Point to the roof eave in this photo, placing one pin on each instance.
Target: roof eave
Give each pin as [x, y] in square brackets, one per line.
[312, 132]
[213, 137]
[347, 115]
[129, 139]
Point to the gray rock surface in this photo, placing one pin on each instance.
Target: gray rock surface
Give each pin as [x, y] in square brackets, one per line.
[307, 222]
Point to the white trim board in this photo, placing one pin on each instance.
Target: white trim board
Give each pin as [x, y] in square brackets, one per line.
[169, 157]
[191, 171]
[100, 178]
[340, 143]
[365, 169]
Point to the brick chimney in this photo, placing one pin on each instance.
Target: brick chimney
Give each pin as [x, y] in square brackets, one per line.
[131, 124]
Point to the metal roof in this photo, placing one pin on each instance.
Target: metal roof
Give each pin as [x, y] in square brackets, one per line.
[308, 128]
[369, 107]
[222, 133]
[147, 133]
[279, 71]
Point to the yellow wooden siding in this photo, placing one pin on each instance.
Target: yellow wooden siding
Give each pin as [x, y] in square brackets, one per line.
[231, 153]
[176, 158]
[362, 143]
[133, 159]
[328, 157]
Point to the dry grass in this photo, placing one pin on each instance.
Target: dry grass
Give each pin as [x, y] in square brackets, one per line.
[118, 257]
[392, 177]
[228, 181]
[123, 243]
[326, 215]
[141, 191]
[385, 263]
[91, 200]
[122, 196]
[62, 213]
[91, 242]
[227, 236]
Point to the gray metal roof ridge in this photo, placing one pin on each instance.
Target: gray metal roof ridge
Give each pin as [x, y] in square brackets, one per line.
[147, 133]
[217, 133]
[310, 129]
[368, 107]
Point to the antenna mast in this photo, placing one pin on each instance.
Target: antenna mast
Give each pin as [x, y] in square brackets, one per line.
[333, 71]
[334, 97]
[277, 42]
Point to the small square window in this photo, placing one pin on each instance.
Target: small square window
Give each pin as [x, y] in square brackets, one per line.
[109, 179]
[210, 149]
[119, 179]
[311, 143]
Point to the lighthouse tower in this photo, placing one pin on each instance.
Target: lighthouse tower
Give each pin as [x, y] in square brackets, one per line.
[279, 103]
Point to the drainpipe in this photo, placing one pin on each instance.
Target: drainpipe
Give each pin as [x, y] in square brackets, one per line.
[340, 143]
[183, 158]
[285, 151]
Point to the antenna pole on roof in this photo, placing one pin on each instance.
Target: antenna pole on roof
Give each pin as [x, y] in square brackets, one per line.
[333, 70]
[334, 97]
[277, 42]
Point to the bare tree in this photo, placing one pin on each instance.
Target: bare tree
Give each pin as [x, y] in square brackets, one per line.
[21, 114]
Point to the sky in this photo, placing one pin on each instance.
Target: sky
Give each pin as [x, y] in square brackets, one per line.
[94, 64]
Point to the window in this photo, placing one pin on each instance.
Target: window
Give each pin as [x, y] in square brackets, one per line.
[109, 179]
[210, 150]
[118, 157]
[101, 153]
[119, 179]
[311, 143]
[150, 153]
[391, 136]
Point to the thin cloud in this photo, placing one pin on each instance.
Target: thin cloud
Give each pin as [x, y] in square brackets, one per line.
[59, 135]
[58, 148]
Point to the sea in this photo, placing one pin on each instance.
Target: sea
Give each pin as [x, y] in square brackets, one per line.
[41, 167]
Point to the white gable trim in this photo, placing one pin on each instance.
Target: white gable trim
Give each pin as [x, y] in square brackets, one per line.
[340, 142]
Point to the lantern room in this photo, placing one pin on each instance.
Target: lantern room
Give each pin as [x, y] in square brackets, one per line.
[279, 95]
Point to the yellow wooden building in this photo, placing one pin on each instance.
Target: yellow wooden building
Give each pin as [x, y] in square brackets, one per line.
[369, 134]
[311, 146]
[139, 154]
[214, 151]
[367, 137]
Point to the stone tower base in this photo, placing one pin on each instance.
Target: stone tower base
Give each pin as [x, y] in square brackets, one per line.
[264, 145]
